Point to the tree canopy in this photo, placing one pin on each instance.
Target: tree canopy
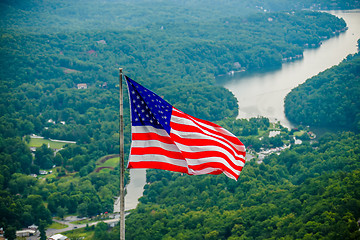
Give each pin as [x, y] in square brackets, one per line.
[330, 99]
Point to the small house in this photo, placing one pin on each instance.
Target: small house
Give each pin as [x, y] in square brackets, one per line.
[82, 86]
[25, 233]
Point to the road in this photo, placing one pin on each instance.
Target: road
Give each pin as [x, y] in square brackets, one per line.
[71, 226]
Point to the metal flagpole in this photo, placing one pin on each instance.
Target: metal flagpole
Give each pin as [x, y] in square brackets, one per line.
[122, 170]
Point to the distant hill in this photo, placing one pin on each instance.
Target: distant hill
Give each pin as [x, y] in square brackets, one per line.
[330, 99]
[65, 15]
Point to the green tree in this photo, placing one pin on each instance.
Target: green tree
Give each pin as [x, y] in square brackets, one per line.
[58, 159]
[10, 233]
[42, 230]
[61, 211]
[44, 157]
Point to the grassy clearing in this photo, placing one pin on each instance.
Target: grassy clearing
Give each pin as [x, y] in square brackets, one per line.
[299, 133]
[105, 170]
[82, 221]
[81, 233]
[38, 142]
[56, 225]
[112, 162]
[97, 219]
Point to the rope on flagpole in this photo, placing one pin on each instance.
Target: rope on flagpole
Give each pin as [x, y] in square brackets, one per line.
[122, 169]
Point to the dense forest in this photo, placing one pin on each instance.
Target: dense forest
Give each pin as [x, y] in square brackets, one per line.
[62, 15]
[175, 48]
[330, 99]
[309, 191]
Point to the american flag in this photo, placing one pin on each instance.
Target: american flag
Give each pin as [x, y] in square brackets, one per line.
[164, 137]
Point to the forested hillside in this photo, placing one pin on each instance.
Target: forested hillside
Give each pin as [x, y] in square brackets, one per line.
[307, 192]
[175, 48]
[65, 16]
[330, 99]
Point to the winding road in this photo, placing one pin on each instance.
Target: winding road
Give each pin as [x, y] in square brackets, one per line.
[67, 221]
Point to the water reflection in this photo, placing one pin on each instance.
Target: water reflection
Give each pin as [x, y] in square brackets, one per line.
[262, 94]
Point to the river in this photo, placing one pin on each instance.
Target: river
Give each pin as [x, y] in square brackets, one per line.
[134, 190]
[262, 94]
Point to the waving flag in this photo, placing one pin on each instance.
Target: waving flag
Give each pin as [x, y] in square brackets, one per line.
[163, 137]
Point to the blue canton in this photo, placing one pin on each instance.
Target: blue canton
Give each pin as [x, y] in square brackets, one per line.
[147, 108]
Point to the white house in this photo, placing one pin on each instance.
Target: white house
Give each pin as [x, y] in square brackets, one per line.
[82, 86]
[25, 233]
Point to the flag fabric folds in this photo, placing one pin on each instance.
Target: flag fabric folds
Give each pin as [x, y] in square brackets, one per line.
[164, 137]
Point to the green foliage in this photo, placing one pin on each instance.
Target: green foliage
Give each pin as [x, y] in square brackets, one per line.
[14, 157]
[329, 99]
[194, 99]
[306, 192]
[48, 47]
[59, 15]
[44, 157]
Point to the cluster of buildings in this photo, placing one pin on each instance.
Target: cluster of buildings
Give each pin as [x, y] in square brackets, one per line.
[32, 232]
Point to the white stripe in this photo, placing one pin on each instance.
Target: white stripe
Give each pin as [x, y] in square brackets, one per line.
[195, 162]
[202, 171]
[192, 135]
[185, 121]
[180, 147]
[157, 158]
[154, 143]
[218, 129]
[210, 170]
[185, 148]
[149, 129]
[173, 148]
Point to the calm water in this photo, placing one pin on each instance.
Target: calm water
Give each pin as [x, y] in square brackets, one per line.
[263, 94]
[134, 190]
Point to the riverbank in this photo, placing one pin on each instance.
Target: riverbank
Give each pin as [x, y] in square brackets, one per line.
[263, 93]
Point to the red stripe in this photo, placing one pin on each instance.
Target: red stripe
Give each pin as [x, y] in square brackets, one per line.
[185, 155]
[213, 165]
[204, 142]
[152, 136]
[179, 113]
[157, 151]
[208, 154]
[187, 128]
[231, 137]
[158, 165]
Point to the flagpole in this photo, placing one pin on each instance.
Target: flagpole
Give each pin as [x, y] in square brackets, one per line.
[122, 170]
